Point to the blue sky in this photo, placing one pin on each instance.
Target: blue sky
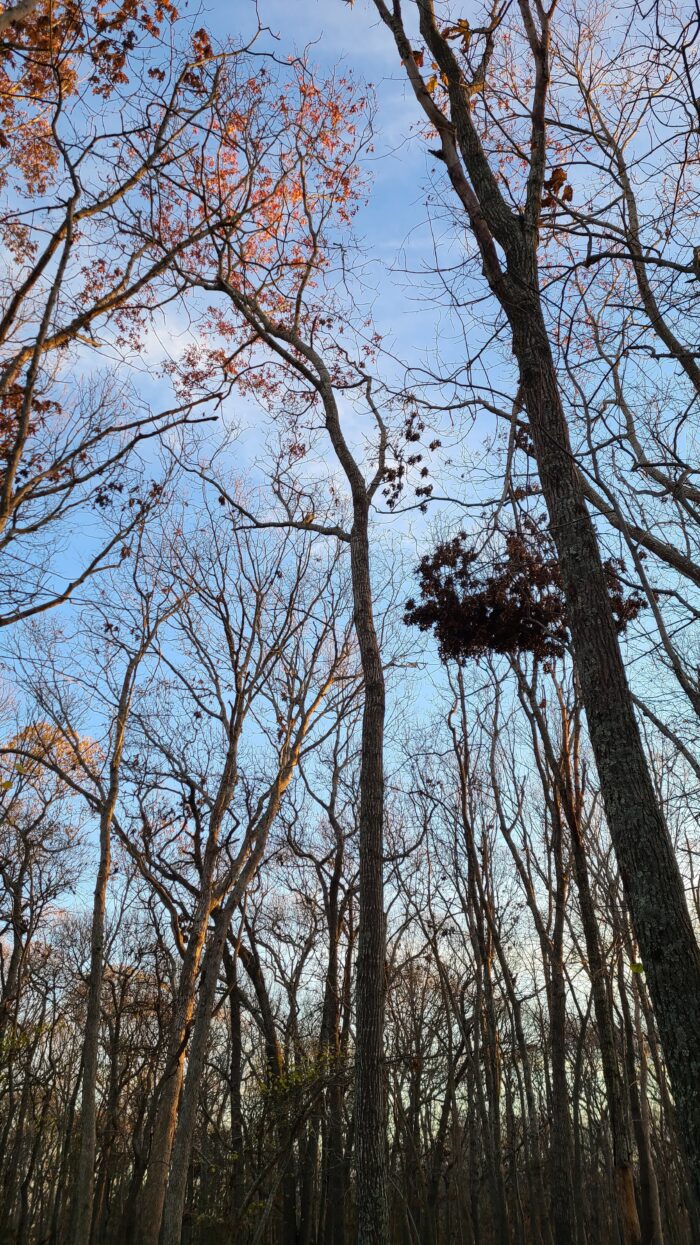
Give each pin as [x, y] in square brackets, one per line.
[392, 228]
[337, 34]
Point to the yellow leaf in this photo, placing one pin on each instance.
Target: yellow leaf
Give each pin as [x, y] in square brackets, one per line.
[431, 83]
[460, 30]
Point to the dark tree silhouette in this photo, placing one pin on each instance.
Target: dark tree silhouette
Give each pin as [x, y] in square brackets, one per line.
[515, 605]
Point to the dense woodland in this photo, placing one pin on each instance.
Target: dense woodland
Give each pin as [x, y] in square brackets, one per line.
[350, 742]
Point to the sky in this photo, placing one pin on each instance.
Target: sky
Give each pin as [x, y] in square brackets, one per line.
[395, 229]
[392, 230]
[392, 227]
[337, 34]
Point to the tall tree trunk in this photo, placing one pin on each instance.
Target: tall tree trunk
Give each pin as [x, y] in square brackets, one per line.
[236, 1077]
[332, 1218]
[648, 866]
[562, 1154]
[370, 1087]
[370, 1091]
[88, 1110]
[88, 1106]
[152, 1196]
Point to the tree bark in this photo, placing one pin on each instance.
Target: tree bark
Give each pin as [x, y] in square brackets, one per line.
[370, 1090]
[562, 1152]
[88, 1107]
[153, 1193]
[236, 1077]
[648, 866]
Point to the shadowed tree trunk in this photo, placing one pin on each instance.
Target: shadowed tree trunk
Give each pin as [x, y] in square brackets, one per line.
[566, 778]
[88, 1102]
[236, 1075]
[562, 1157]
[370, 1104]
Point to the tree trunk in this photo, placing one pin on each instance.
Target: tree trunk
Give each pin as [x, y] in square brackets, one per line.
[174, 1201]
[332, 1218]
[648, 866]
[370, 1092]
[153, 1193]
[236, 1075]
[562, 1155]
[88, 1110]
[88, 1107]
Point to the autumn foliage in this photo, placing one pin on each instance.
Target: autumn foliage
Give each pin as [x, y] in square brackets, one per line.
[513, 605]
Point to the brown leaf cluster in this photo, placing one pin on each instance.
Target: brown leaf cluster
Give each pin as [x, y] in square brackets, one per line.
[514, 605]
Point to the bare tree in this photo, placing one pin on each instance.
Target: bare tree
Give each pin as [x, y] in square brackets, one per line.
[508, 239]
